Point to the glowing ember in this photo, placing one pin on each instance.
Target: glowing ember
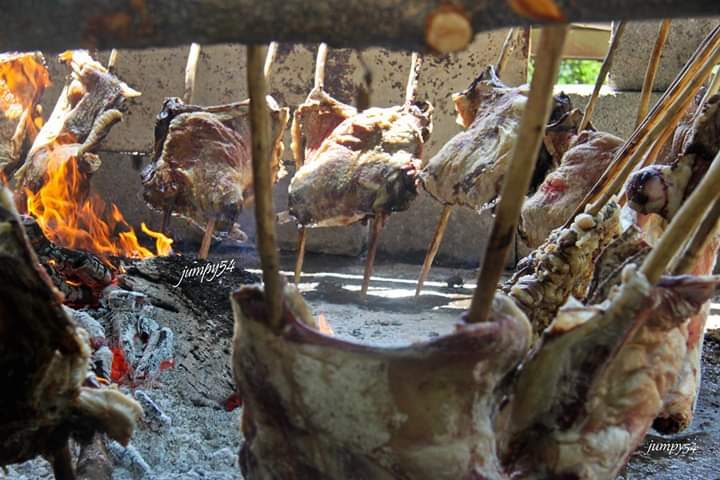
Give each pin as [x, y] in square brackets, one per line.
[73, 216]
[323, 326]
[120, 367]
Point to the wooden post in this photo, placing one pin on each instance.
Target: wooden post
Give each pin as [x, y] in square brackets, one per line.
[262, 180]
[602, 75]
[377, 225]
[519, 174]
[434, 247]
[684, 222]
[651, 71]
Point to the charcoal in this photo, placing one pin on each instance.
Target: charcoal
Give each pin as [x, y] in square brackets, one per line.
[153, 415]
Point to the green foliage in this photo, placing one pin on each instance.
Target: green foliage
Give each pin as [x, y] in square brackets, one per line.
[573, 72]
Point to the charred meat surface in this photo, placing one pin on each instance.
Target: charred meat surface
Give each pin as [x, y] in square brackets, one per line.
[564, 188]
[88, 107]
[365, 167]
[469, 169]
[562, 266]
[201, 165]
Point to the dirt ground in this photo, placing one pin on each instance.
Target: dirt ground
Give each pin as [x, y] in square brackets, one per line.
[203, 440]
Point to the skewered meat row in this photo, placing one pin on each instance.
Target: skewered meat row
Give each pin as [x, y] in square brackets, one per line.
[564, 188]
[356, 165]
[468, 170]
[201, 166]
[562, 266]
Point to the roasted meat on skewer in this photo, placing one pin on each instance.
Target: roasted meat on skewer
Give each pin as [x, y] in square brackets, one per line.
[201, 165]
[469, 168]
[562, 189]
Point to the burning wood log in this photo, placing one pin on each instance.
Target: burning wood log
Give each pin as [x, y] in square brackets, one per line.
[199, 146]
[45, 363]
[158, 23]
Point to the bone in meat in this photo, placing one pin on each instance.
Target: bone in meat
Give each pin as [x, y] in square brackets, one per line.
[588, 395]
[563, 189]
[468, 170]
[201, 165]
[86, 110]
[44, 360]
[562, 266]
[365, 167]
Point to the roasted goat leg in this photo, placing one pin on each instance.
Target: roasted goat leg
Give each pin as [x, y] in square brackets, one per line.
[201, 166]
[591, 389]
[45, 358]
[320, 407]
[364, 167]
[469, 169]
[83, 115]
[562, 266]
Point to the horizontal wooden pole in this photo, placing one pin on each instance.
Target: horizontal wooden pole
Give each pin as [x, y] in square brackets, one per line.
[52, 26]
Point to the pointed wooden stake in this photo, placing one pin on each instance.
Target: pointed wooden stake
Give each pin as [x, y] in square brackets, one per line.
[602, 75]
[377, 225]
[302, 236]
[207, 239]
[519, 174]
[318, 82]
[505, 51]
[412, 83]
[433, 247]
[697, 243]
[112, 60]
[190, 72]
[651, 71]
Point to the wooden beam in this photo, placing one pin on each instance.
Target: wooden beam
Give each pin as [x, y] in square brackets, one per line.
[107, 24]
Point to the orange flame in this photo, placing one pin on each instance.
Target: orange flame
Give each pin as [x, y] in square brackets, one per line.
[23, 79]
[73, 216]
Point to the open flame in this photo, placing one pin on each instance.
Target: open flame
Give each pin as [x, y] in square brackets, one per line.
[72, 215]
[23, 79]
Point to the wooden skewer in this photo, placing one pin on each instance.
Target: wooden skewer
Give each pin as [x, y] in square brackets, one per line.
[507, 48]
[442, 224]
[318, 82]
[377, 225]
[112, 60]
[207, 239]
[262, 180]
[697, 243]
[270, 59]
[434, 247]
[663, 112]
[379, 221]
[412, 83]
[190, 72]
[602, 75]
[713, 88]
[685, 221]
[651, 71]
[519, 174]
